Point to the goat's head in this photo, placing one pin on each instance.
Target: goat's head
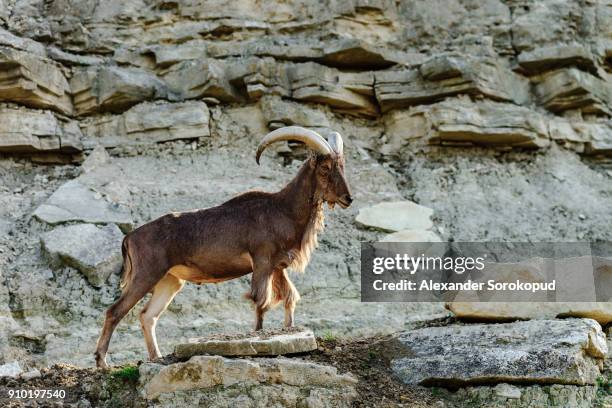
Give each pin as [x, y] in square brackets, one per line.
[327, 162]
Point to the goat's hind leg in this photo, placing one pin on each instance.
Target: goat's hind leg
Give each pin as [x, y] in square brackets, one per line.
[163, 293]
[130, 296]
[285, 291]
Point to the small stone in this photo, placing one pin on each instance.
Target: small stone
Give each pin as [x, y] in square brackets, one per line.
[10, 370]
[95, 251]
[35, 373]
[98, 157]
[396, 216]
[508, 391]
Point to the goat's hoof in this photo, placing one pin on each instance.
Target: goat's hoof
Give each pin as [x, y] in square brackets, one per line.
[101, 364]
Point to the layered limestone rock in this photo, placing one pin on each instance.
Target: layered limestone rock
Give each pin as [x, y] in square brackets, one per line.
[33, 80]
[598, 136]
[279, 112]
[360, 60]
[24, 44]
[259, 77]
[546, 58]
[463, 122]
[345, 92]
[26, 130]
[294, 341]
[113, 89]
[352, 53]
[201, 78]
[95, 251]
[572, 89]
[567, 351]
[344, 52]
[215, 374]
[585, 137]
[449, 75]
[149, 123]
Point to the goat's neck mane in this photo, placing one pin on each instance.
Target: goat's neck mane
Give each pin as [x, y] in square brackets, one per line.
[307, 206]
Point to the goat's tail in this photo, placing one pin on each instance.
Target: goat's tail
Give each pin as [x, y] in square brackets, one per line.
[127, 265]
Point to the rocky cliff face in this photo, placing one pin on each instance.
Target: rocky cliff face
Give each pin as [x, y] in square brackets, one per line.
[524, 74]
[495, 114]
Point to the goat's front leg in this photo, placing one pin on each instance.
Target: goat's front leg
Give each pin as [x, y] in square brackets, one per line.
[261, 289]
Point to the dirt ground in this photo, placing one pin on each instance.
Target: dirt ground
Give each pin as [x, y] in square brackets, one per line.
[366, 358]
[84, 387]
[369, 360]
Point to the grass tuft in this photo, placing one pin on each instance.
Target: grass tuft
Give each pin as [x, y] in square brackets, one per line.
[329, 336]
[128, 374]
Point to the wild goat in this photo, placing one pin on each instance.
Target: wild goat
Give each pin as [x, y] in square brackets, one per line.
[263, 233]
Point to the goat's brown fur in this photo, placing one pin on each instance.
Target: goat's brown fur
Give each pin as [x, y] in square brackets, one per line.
[255, 232]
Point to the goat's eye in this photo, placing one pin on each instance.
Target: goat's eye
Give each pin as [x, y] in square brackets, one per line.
[325, 169]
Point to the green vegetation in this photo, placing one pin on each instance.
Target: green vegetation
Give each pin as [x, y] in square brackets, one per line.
[128, 374]
[120, 387]
[604, 384]
[329, 336]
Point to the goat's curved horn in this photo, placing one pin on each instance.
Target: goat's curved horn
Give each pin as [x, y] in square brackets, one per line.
[310, 138]
[336, 143]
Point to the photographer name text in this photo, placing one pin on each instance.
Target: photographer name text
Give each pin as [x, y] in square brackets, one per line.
[410, 265]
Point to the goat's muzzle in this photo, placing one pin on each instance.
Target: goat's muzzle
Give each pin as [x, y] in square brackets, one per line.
[345, 201]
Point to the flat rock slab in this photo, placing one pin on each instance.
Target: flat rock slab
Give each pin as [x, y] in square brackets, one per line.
[95, 251]
[567, 351]
[75, 202]
[505, 311]
[412, 236]
[264, 343]
[396, 216]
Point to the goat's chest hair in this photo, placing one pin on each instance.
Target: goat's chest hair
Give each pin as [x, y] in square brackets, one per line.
[301, 257]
